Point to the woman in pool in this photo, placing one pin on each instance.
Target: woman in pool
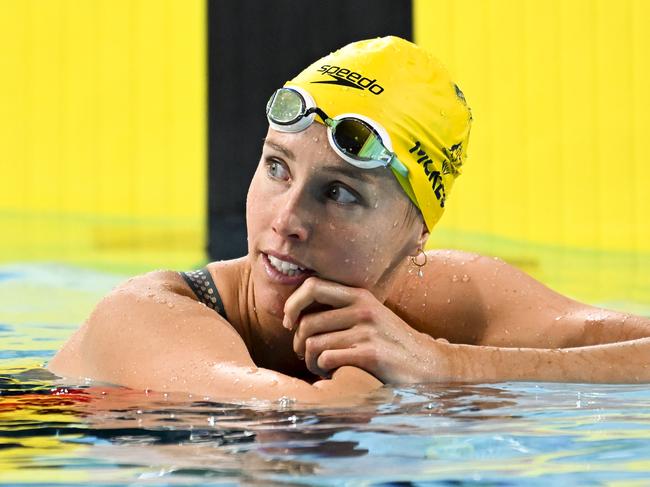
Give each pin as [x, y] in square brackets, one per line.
[362, 151]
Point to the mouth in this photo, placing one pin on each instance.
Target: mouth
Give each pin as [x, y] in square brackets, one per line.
[285, 270]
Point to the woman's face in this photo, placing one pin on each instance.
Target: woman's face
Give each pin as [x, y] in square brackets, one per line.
[308, 207]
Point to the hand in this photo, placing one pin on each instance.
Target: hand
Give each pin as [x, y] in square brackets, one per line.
[356, 329]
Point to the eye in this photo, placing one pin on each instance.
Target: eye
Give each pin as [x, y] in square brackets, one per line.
[341, 194]
[276, 170]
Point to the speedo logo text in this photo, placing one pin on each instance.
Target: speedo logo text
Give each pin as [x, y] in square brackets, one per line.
[351, 79]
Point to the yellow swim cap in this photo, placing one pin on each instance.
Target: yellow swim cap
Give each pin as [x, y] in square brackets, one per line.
[408, 92]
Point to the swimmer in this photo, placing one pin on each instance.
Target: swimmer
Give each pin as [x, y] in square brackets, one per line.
[336, 295]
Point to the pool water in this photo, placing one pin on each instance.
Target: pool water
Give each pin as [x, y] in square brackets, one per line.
[499, 434]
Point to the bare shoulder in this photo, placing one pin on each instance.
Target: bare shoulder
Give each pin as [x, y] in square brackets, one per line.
[474, 299]
[151, 333]
[443, 298]
[143, 325]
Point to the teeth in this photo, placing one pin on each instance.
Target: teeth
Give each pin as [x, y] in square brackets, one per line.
[285, 267]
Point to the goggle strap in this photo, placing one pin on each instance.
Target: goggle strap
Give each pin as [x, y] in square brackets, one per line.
[396, 164]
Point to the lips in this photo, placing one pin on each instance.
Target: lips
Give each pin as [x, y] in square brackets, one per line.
[284, 269]
[288, 268]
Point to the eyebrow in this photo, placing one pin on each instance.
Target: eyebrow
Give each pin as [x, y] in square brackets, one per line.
[348, 170]
[280, 148]
[363, 175]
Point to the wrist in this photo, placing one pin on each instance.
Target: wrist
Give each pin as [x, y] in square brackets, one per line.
[441, 361]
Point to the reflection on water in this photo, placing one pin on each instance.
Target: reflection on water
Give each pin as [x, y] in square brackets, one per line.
[531, 432]
[81, 433]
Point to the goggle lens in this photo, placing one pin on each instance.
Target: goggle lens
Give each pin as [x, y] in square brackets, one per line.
[357, 138]
[285, 107]
[352, 136]
[357, 141]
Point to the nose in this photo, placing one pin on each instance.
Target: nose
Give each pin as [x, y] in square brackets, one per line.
[292, 216]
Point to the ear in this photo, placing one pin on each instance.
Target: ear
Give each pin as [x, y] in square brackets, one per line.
[421, 240]
[424, 236]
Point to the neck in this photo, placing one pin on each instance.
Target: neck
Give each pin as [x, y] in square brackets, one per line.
[269, 343]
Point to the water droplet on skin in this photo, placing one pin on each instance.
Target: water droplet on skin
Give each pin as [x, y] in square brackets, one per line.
[465, 278]
[170, 305]
[454, 278]
[315, 139]
[448, 300]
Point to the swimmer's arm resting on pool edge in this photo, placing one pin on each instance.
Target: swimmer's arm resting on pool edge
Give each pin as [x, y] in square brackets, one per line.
[539, 334]
[149, 334]
[530, 332]
[502, 324]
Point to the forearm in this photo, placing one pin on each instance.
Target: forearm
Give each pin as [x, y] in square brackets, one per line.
[622, 362]
[240, 383]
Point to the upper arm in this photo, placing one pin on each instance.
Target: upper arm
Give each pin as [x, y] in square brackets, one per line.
[523, 312]
[149, 333]
[483, 300]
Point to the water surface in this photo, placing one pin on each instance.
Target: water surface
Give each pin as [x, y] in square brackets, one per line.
[500, 434]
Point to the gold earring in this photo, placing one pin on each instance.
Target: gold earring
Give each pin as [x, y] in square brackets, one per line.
[415, 262]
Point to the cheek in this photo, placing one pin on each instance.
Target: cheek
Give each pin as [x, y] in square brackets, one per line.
[357, 255]
[256, 209]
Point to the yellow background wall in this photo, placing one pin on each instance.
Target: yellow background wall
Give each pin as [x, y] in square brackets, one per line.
[102, 132]
[103, 153]
[559, 160]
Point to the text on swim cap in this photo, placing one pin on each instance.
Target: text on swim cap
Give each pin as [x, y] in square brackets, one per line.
[433, 176]
[351, 79]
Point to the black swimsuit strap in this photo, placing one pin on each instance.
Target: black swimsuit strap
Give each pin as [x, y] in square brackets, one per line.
[204, 288]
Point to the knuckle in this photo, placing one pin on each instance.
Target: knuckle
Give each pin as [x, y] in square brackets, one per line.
[365, 294]
[370, 357]
[310, 283]
[365, 314]
[368, 332]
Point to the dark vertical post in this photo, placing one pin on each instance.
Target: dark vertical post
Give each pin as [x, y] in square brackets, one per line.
[254, 47]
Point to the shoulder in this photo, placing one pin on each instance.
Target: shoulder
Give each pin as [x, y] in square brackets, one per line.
[456, 295]
[146, 320]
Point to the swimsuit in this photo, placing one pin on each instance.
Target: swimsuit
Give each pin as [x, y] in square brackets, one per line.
[204, 288]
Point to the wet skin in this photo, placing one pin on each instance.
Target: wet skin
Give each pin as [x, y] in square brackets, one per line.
[358, 312]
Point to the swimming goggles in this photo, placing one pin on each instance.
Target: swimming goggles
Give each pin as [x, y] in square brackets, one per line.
[358, 140]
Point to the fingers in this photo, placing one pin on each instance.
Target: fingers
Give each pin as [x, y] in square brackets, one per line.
[315, 290]
[317, 345]
[362, 357]
[323, 322]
